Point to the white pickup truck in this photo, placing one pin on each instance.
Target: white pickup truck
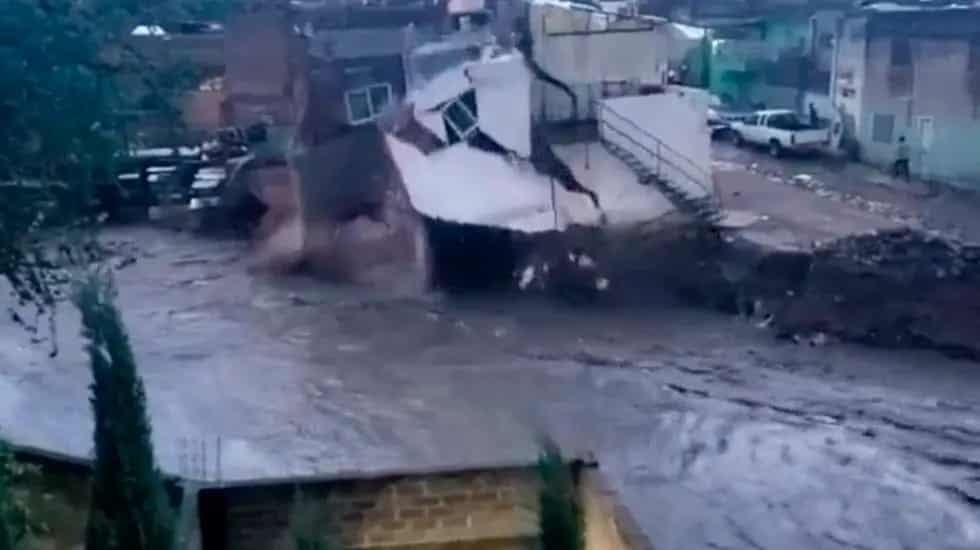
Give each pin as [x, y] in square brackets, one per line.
[779, 130]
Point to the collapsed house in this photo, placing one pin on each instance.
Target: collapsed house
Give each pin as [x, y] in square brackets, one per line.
[489, 169]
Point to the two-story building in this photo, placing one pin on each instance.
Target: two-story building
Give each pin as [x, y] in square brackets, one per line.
[772, 53]
[912, 69]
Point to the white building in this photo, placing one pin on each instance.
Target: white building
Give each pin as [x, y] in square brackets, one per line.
[598, 54]
[906, 69]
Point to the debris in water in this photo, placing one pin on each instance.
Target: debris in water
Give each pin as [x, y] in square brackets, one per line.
[602, 284]
[527, 277]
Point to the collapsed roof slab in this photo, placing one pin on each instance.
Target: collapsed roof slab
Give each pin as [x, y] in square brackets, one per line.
[466, 185]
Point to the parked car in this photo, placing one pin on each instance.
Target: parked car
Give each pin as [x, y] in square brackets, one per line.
[718, 126]
[779, 130]
[720, 121]
[143, 178]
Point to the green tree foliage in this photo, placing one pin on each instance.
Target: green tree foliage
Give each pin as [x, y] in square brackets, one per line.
[308, 525]
[13, 515]
[560, 520]
[129, 508]
[68, 69]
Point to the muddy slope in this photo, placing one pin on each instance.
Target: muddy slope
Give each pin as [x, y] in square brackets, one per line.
[901, 288]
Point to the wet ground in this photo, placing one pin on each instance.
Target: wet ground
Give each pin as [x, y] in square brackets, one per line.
[921, 204]
[716, 434]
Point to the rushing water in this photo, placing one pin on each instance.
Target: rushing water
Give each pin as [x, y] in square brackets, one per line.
[716, 434]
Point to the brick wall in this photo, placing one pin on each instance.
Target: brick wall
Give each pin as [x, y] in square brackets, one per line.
[485, 509]
[609, 525]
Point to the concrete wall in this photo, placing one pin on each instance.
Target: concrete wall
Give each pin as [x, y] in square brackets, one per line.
[939, 91]
[362, 71]
[503, 101]
[265, 64]
[847, 88]
[777, 62]
[585, 50]
[256, 50]
[201, 110]
[678, 120]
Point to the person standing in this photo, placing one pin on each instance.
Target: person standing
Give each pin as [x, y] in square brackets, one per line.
[902, 155]
[814, 118]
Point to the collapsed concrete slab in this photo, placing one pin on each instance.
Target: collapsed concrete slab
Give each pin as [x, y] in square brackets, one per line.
[377, 201]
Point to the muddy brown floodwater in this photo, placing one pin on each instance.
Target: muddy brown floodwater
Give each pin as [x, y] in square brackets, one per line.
[717, 435]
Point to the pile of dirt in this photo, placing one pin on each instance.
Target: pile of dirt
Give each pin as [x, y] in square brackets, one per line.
[897, 288]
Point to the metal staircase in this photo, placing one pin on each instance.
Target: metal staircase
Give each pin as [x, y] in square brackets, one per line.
[688, 186]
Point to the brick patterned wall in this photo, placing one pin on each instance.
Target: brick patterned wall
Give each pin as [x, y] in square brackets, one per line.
[481, 509]
[608, 524]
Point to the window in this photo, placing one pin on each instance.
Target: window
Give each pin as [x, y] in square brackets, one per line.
[460, 117]
[752, 120]
[883, 127]
[785, 121]
[901, 53]
[366, 104]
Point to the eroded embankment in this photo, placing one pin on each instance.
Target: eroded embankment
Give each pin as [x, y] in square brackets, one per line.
[899, 288]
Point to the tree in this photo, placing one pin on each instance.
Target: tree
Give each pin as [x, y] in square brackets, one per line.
[68, 72]
[560, 512]
[308, 524]
[13, 515]
[129, 508]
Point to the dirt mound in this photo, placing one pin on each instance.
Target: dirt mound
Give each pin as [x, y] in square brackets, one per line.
[895, 288]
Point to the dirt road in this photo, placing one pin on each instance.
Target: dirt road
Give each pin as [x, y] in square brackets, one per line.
[717, 435]
[933, 206]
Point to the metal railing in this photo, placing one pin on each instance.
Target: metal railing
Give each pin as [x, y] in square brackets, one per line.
[661, 152]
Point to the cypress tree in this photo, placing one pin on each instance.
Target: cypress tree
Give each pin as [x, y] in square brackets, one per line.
[560, 515]
[129, 508]
[13, 516]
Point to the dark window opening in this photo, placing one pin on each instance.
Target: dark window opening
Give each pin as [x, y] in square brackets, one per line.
[460, 117]
[973, 60]
[883, 128]
[901, 52]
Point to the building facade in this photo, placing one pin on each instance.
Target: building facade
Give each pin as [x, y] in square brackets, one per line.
[597, 54]
[781, 61]
[913, 73]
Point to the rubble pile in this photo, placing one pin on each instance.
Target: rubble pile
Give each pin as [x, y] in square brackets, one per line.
[902, 288]
[906, 254]
[897, 288]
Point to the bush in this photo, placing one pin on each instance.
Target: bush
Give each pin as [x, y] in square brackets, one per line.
[13, 515]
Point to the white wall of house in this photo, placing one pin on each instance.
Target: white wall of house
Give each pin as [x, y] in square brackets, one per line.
[503, 100]
[678, 120]
[586, 49]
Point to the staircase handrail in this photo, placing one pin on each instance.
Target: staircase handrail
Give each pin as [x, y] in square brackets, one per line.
[603, 107]
[659, 157]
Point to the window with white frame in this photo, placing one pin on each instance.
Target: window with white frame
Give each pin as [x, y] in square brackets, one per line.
[366, 103]
[460, 118]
